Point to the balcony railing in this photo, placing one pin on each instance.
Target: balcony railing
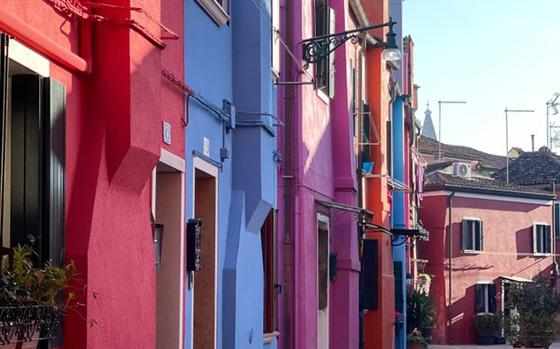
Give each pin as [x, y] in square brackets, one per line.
[26, 323]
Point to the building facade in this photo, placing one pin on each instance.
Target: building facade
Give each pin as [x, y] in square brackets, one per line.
[89, 90]
[231, 171]
[318, 231]
[484, 235]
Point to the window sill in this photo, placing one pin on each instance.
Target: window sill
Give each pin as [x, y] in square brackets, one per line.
[471, 252]
[323, 96]
[271, 336]
[538, 254]
[215, 11]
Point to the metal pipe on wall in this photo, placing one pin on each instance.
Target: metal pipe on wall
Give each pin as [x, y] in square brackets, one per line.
[450, 257]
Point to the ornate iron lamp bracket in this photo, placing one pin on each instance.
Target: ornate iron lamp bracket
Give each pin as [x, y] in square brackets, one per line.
[318, 48]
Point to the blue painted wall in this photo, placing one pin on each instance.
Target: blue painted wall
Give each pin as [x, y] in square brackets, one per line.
[232, 62]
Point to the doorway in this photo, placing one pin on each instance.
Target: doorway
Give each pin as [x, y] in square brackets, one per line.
[167, 209]
[205, 284]
[323, 248]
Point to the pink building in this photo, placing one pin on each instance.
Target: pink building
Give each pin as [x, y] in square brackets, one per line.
[483, 235]
[318, 257]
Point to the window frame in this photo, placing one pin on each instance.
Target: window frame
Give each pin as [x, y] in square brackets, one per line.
[546, 251]
[487, 297]
[270, 278]
[325, 85]
[219, 12]
[275, 39]
[473, 240]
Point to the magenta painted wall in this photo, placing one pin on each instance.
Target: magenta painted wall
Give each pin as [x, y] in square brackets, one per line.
[325, 170]
[113, 130]
[507, 252]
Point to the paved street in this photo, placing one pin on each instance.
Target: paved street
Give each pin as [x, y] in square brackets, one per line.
[554, 346]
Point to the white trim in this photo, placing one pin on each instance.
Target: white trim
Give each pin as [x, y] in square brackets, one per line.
[29, 58]
[324, 219]
[467, 218]
[488, 197]
[541, 254]
[172, 160]
[485, 282]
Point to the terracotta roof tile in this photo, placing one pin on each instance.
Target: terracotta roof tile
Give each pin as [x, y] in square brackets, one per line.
[430, 146]
[533, 168]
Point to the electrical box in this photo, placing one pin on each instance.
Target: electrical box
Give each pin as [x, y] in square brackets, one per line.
[194, 229]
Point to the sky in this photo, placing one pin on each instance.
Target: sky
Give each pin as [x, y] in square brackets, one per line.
[493, 54]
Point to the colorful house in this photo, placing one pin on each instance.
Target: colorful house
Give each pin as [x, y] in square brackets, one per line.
[92, 146]
[319, 306]
[231, 172]
[484, 236]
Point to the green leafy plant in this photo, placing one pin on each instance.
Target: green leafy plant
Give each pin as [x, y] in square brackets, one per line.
[415, 337]
[538, 306]
[488, 324]
[419, 310]
[21, 282]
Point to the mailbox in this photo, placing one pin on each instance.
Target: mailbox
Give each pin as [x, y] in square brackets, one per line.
[194, 229]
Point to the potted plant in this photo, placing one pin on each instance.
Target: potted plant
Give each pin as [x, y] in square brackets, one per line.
[488, 328]
[415, 340]
[420, 312]
[30, 306]
[536, 323]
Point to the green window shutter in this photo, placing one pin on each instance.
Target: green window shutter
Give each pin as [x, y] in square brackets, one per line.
[481, 235]
[479, 298]
[464, 235]
[547, 239]
[398, 272]
[492, 298]
[332, 59]
[54, 141]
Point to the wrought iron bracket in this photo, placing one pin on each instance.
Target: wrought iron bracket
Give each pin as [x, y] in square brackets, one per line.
[320, 47]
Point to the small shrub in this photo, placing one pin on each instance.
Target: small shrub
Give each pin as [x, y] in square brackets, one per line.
[487, 325]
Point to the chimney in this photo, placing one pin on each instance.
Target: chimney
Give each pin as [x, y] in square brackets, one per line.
[532, 142]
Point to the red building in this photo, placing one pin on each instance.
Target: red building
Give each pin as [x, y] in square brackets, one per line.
[483, 235]
[85, 162]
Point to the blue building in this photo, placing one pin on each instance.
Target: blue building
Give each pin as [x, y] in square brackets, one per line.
[231, 172]
[399, 214]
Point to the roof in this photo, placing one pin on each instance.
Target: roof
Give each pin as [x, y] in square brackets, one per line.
[443, 181]
[430, 146]
[532, 168]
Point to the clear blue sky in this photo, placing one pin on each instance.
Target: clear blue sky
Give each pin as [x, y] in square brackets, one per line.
[493, 54]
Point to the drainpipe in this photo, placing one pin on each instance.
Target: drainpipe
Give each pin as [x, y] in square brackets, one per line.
[289, 179]
[553, 232]
[450, 254]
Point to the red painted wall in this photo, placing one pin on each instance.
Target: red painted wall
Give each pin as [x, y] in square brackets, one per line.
[114, 137]
[507, 252]
[379, 324]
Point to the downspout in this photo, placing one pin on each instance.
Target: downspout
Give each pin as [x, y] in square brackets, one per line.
[450, 254]
[289, 179]
[553, 234]
[41, 43]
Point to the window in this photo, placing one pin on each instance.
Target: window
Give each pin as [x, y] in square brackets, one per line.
[32, 163]
[485, 301]
[472, 235]
[324, 70]
[218, 10]
[269, 248]
[275, 40]
[541, 238]
[557, 220]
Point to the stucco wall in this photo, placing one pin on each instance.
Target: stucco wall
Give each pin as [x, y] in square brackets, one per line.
[507, 252]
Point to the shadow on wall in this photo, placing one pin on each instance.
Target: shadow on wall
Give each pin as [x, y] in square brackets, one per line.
[463, 312]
